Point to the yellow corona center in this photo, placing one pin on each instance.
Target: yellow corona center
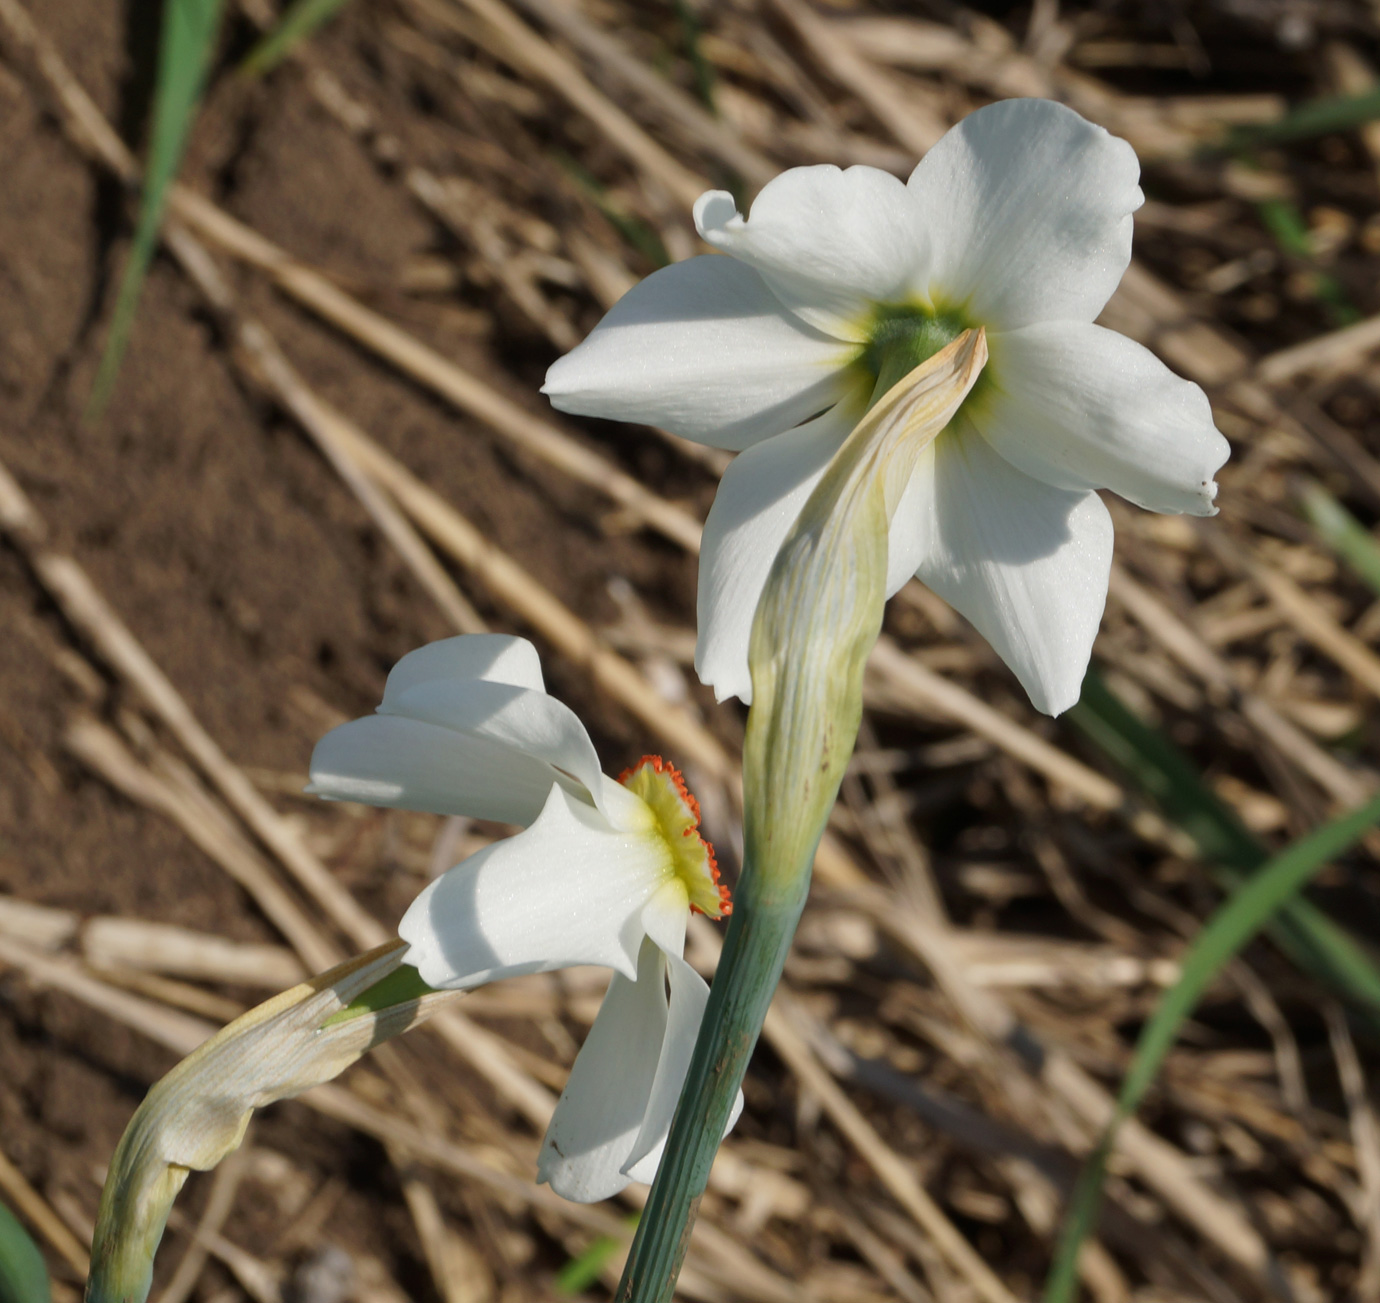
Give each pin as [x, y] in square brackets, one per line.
[677, 813]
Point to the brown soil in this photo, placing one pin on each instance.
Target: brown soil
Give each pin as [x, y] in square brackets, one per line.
[232, 551]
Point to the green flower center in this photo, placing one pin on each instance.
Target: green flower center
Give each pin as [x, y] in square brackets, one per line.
[900, 336]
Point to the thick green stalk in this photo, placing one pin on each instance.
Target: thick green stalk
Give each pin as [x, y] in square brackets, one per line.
[819, 615]
[759, 935]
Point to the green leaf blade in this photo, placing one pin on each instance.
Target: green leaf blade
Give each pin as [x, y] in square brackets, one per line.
[1319, 117]
[1238, 921]
[1310, 939]
[1342, 533]
[583, 1271]
[23, 1273]
[186, 42]
[298, 22]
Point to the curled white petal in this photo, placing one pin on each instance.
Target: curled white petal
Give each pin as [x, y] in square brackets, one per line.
[1029, 207]
[1026, 563]
[528, 723]
[689, 995]
[600, 1112]
[610, 1125]
[829, 242]
[1081, 407]
[491, 657]
[474, 733]
[408, 764]
[706, 350]
[759, 498]
[569, 890]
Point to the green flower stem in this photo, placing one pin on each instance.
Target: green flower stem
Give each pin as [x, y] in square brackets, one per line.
[759, 935]
[819, 615]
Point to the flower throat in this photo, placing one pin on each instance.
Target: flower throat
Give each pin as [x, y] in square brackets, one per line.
[900, 336]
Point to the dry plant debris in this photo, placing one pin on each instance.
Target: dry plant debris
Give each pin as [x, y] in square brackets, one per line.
[326, 447]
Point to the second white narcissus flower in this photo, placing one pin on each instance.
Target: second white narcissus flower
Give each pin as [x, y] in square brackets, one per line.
[605, 873]
[835, 287]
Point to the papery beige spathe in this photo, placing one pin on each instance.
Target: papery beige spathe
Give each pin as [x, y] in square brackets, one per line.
[197, 1114]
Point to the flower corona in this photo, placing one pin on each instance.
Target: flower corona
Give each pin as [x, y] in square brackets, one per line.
[662, 786]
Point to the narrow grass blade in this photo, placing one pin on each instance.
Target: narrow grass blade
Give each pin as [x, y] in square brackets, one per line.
[1239, 920]
[1283, 220]
[185, 44]
[1304, 933]
[633, 230]
[23, 1273]
[1164, 774]
[1342, 532]
[580, 1273]
[1318, 117]
[692, 29]
[299, 21]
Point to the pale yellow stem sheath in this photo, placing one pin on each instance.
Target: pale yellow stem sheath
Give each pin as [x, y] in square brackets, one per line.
[198, 1113]
[821, 609]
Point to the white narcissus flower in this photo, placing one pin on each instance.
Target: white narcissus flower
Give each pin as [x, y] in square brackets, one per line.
[836, 285]
[605, 873]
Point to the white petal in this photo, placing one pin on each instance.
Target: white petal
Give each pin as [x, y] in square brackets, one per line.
[666, 915]
[1081, 407]
[909, 539]
[1029, 210]
[1026, 563]
[706, 350]
[410, 765]
[530, 724]
[568, 890]
[830, 243]
[474, 733]
[494, 657]
[759, 498]
[689, 995]
[601, 1109]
